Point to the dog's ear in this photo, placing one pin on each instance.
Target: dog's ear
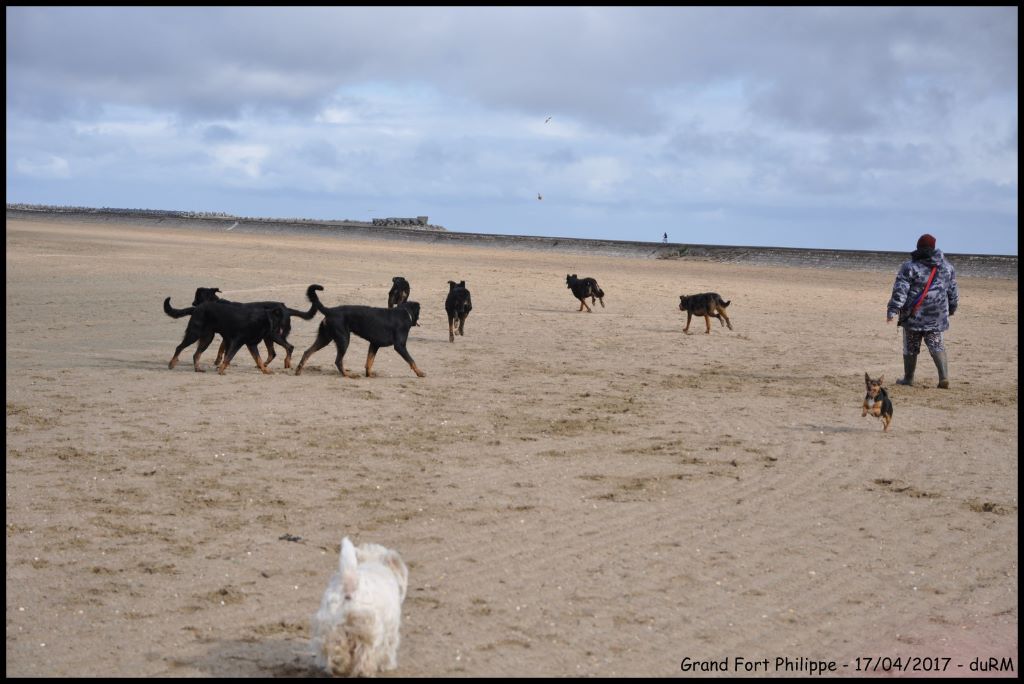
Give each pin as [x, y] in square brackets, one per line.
[395, 563]
[462, 284]
[867, 379]
[451, 285]
[881, 380]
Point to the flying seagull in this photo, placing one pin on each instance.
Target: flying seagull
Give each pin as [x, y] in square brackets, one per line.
[547, 119]
[539, 197]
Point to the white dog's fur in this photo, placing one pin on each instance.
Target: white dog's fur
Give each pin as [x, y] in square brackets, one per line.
[355, 632]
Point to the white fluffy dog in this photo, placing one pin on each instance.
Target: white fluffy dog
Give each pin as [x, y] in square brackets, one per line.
[355, 632]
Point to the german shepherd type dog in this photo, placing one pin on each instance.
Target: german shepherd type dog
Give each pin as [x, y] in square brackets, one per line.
[399, 292]
[457, 305]
[380, 327]
[876, 401]
[209, 294]
[238, 324]
[706, 304]
[583, 288]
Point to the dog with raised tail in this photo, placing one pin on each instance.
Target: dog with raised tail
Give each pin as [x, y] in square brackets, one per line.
[355, 632]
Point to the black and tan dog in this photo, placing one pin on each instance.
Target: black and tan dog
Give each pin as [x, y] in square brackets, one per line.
[706, 304]
[458, 305]
[399, 292]
[380, 327]
[583, 288]
[209, 294]
[876, 401]
[239, 324]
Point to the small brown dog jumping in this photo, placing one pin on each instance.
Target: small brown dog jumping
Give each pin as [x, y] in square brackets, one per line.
[876, 401]
[706, 304]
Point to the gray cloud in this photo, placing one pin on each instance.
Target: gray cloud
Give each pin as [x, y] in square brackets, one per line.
[668, 107]
[840, 69]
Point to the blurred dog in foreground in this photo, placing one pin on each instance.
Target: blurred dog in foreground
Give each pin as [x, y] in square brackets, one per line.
[355, 632]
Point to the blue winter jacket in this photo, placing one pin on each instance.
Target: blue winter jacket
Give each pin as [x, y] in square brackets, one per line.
[941, 301]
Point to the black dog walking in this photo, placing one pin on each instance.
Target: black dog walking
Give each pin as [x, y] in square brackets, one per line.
[458, 305]
[209, 294]
[238, 324]
[583, 288]
[380, 327]
[399, 292]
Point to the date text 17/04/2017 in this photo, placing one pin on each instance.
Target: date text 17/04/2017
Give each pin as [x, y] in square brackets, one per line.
[813, 666]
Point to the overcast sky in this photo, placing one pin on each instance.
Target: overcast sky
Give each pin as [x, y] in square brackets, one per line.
[841, 127]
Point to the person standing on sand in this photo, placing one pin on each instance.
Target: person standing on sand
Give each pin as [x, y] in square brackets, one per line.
[924, 296]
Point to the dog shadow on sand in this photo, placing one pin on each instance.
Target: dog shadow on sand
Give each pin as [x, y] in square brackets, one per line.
[257, 658]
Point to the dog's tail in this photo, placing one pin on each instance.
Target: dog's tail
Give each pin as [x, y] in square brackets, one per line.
[306, 315]
[348, 566]
[721, 302]
[311, 294]
[177, 313]
[598, 291]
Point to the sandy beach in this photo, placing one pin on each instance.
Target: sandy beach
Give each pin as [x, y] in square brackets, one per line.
[574, 494]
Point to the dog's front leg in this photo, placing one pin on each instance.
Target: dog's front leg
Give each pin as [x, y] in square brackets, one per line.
[462, 324]
[228, 355]
[370, 356]
[451, 328]
[689, 315]
[865, 408]
[287, 356]
[271, 354]
[400, 348]
[255, 351]
[203, 344]
[220, 352]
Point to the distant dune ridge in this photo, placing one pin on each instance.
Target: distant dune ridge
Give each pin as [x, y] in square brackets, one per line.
[973, 265]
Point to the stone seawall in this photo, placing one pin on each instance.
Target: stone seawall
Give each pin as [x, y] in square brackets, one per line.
[970, 265]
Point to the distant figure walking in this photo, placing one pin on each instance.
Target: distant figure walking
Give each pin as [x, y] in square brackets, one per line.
[664, 238]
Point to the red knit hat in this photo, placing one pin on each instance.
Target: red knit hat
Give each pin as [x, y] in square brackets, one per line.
[926, 241]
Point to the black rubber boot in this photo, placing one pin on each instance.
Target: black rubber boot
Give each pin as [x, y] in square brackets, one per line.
[943, 367]
[909, 364]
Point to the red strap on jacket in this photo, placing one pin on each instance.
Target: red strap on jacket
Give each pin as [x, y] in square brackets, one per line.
[920, 300]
